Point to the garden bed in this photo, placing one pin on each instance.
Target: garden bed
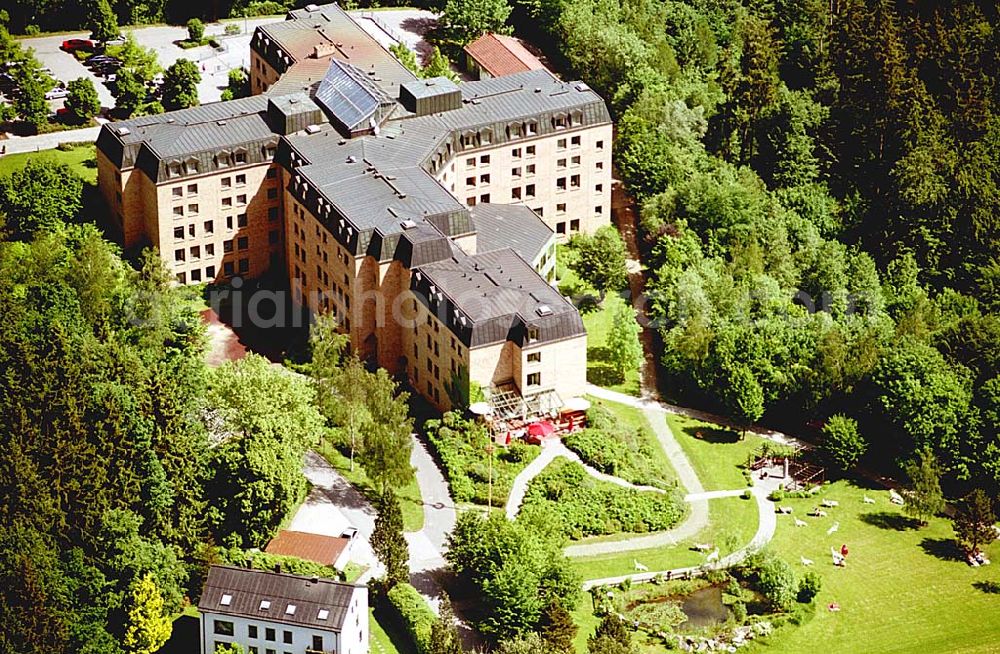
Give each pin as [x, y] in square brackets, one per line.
[585, 506]
[462, 449]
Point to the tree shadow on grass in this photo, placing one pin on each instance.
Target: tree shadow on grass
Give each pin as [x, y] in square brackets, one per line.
[988, 587]
[889, 521]
[712, 435]
[600, 372]
[945, 549]
[185, 636]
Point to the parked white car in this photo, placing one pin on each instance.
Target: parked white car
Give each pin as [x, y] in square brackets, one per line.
[56, 93]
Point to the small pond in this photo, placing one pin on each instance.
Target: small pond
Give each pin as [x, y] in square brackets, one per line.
[704, 608]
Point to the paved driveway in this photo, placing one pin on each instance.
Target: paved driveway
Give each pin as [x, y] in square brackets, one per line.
[161, 38]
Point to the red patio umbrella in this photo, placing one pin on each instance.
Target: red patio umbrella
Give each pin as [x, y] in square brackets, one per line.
[539, 430]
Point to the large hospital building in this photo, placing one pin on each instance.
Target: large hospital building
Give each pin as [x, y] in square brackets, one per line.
[422, 213]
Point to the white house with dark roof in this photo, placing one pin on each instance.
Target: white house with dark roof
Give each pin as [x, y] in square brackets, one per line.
[276, 613]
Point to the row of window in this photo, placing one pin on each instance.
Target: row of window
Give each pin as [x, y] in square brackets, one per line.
[241, 243]
[222, 159]
[227, 628]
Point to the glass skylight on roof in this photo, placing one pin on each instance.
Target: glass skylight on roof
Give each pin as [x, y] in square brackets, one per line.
[323, 614]
[265, 605]
[349, 96]
[290, 609]
[226, 600]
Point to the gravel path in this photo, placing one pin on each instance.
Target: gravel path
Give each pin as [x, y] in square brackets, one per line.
[428, 545]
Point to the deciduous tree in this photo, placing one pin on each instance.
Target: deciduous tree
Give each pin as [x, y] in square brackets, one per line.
[600, 260]
[83, 102]
[180, 85]
[843, 445]
[467, 20]
[623, 341]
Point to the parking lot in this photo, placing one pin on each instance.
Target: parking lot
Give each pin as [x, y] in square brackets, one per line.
[215, 64]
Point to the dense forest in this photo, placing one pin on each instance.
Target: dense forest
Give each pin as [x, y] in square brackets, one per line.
[818, 184]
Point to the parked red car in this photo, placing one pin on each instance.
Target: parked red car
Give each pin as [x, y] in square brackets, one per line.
[76, 44]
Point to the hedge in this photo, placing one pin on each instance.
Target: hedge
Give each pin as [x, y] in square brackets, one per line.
[414, 614]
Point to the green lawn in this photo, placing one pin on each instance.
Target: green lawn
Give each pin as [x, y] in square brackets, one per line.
[903, 589]
[732, 524]
[409, 495]
[384, 639]
[597, 320]
[81, 159]
[717, 456]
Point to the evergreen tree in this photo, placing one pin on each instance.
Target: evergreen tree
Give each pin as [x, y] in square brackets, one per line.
[148, 627]
[387, 540]
[406, 57]
[386, 443]
[623, 341]
[439, 66]
[974, 520]
[611, 637]
[444, 632]
[557, 629]
[103, 22]
[926, 499]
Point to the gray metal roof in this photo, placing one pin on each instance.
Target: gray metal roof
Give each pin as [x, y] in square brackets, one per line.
[248, 588]
[494, 296]
[515, 226]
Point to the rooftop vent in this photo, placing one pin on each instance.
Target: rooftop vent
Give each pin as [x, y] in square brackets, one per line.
[312, 129]
[220, 122]
[123, 131]
[323, 614]
[538, 89]
[311, 8]
[408, 224]
[352, 159]
[226, 600]
[264, 605]
[544, 310]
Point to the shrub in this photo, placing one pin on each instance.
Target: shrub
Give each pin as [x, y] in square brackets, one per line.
[196, 30]
[585, 506]
[263, 8]
[417, 618]
[266, 561]
[461, 447]
[809, 587]
[775, 579]
[746, 494]
[232, 29]
[616, 449]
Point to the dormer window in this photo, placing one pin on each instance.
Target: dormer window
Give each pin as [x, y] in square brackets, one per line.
[222, 159]
[576, 117]
[559, 121]
[191, 166]
[532, 334]
[174, 169]
[531, 128]
[469, 139]
[485, 136]
[514, 130]
[240, 156]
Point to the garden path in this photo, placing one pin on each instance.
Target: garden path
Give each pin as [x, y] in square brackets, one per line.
[550, 450]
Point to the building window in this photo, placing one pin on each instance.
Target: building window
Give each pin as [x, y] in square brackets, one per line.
[178, 211]
[229, 222]
[471, 202]
[599, 145]
[227, 202]
[529, 191]
[575, 141]
[269, 634]
[530, 169]
[575, 160]
[227, 182]
[532, 334]
[470, 162]
[241, 220]
[191, 230]
[574, 225]
[272, 193]
[241, 180]
[561, 228]
[192, 189]
[600, 165]
[181, 278]
[599, 209]
[485, 197]
[560, 163]
[227, 269]
[287, 637]
[484, 179]
[196, 275]
[241, 157]
[178, 233]
[515, 193]
[317, 643]
[535, 379]
[272, 236]
[244, 265]
[179, 255]
[174, 170]
[193, 209]
[271, 172]
[599, 188]
[574, 181]
[242, 243]
[470, 181]
[561, 144]
[210, 249]
[515, 172]
[227, 245]
[195, 252]
[223, 627]
[529, 151]
[534, 357]
[561, 207]
[272, 213]
[561, 184]
[516, 153]
[178, 191]
[484, 159]
[241, 199]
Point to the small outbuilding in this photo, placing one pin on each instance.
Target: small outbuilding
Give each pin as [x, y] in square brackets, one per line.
[325, 550]
[495, 55]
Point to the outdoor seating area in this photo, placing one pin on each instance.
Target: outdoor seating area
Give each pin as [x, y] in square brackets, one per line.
[534, 419]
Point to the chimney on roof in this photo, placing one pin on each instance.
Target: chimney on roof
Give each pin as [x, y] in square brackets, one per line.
[321, 50]
[314, 579]
[277, 567]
